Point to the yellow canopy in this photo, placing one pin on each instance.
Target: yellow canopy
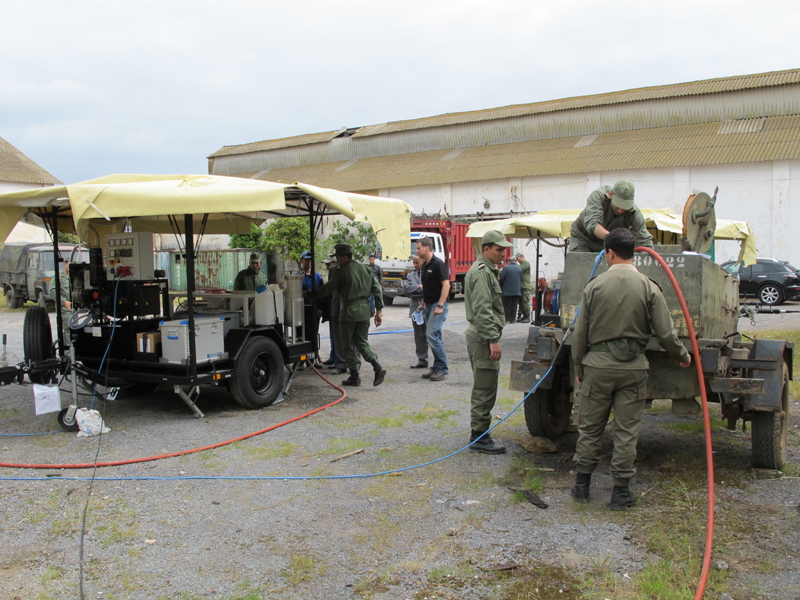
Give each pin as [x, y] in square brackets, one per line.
[146, 203]
[557, 223]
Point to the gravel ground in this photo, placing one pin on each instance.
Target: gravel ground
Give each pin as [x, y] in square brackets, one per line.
[437, 531]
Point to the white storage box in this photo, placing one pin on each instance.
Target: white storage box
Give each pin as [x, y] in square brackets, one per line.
[268, 306]
[209, 340]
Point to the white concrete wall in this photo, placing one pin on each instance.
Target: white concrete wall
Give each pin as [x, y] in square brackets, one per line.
[23, 232]
[764, 194]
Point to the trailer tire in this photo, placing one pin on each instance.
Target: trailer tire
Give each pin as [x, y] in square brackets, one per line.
[547, 412]
[37, 341]
[67, 426]
[770, 431]
[388, 300]
[257, 373]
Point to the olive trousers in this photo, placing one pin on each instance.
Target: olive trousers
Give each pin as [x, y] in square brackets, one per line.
[625, 392]
[355, 335]
[485, 373]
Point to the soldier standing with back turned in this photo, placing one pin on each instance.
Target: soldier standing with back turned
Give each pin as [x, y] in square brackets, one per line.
[355, 282]
[484, 308]
[619, 311]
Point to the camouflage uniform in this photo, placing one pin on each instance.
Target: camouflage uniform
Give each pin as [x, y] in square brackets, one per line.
[619, 310]
[247, 280]
[525, 290]
[66, 313]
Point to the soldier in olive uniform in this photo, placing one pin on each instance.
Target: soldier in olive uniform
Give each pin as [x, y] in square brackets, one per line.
[619, 310]
[525, 289]
[250, 278]
[483, 300]
[355, 282]
[608, 208]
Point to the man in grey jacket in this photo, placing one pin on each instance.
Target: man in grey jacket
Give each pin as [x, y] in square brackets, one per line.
[412, 287]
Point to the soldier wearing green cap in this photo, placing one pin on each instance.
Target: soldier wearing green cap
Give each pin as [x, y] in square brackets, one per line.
[483, 300]
[608, 208]
[355, 282]
[250, 278]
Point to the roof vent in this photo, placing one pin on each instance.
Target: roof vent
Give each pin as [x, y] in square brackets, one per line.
[585, 141]
[742, 126]
[346, 132]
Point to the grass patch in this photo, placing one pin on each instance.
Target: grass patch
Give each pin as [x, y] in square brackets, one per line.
[52, 573]
[301, 568]
[270, 450]
[694, 425]
[344, 445]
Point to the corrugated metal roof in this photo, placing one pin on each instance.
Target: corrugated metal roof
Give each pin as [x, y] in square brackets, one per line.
[708, 86]
[681, 146]
[17, 168]
[299, 140]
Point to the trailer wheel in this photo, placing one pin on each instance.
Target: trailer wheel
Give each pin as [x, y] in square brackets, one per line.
[37, 341]
[770, 431]
[71, 425]
[257, 373]
[547, 412]
[388, 300]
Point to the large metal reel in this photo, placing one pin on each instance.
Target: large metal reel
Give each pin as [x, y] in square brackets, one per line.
[547, 412]
[770, 431]
[699, 222]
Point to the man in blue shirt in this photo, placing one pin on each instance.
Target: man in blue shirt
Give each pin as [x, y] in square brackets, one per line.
[312, 315]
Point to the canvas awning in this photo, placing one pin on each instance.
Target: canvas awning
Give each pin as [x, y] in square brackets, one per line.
[548, 224]
[147, 202]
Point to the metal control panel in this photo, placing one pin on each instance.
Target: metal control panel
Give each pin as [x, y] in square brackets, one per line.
[130, 255]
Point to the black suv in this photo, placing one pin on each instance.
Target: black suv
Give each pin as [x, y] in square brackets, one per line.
[770, 281]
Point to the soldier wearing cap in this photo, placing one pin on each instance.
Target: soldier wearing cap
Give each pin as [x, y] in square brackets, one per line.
[250, 278]
[355, 282]
[484, 308]
[608, 208]
[620, 311]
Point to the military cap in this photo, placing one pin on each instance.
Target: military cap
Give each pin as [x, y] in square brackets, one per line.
[255, 257]
[495, 237]
[623, 195]
[341, 249]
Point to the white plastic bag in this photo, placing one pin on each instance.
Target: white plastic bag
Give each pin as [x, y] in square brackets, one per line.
[90, 423]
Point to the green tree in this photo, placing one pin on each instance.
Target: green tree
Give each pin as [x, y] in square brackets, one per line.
[358, 235]
[252, 240]
[67, 238]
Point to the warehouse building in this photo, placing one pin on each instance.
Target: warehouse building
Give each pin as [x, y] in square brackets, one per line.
[739, 133]
[18, 172]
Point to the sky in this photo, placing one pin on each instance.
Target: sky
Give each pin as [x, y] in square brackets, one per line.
[89, 88]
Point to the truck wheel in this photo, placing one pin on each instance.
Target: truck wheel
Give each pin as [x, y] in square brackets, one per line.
[257, 373]
[11, 300]
[37, 341]
[547, 412]
[770, 431]
[388, 300]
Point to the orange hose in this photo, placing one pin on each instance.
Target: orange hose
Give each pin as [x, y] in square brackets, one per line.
[701, 586]
[116, 463]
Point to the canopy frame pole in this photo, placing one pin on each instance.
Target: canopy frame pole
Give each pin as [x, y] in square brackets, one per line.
[189, 249]
[57, 283]
[537, 314]
[313, 283]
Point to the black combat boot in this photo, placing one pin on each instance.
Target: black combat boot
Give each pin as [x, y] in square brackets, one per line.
[354, 379]
[380, 372]
[580, 491]
[485, 444]
[622, 498]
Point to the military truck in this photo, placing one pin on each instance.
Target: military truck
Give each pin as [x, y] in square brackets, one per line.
[26, 270]
[748, 378]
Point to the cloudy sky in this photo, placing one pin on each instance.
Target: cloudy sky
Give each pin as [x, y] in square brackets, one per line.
[89, 88]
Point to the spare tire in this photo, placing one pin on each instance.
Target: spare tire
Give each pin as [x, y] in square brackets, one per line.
[37, 341]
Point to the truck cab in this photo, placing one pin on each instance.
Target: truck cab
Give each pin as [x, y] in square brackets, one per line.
[395, 271]
[27, 269]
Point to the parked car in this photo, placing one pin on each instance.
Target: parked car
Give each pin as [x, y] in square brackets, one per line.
[770, 281]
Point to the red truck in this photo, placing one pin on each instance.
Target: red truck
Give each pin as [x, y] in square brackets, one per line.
[450, 243]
